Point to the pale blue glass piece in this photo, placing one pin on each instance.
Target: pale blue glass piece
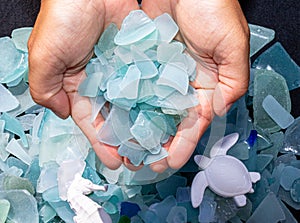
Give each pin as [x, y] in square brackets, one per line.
[4, 209]
[278, 113]
[268, 82]
[240, 151]
[151, 158]
[119, 66]
[288, 215]
[148, 42]
[177, 215]
[207, 210]
[163, 91]
[288, 176]
[3, 143]
[146, 133]
[191, 66]
[90, 85]
[245, 212]
[277, 140]
[7, 100]
[124, 103]
[106, 42]
[167, 27]
[113, 89]
[97, 104]
[144, 63]
[259, 37]
[277, 59]
[148, 216]
[23, 206]
[291, 138]
[286, 197]
[14, 126]
[135, 27]
[15, 162]
[63, 210]
[124, 53]
[17, 183]
[91, 174]
[174, 76]
[2, 125]
[263, 214]
[262, 161]
[167, 51]
[183, 194]
[163, 208]
[146, 90]
[163, 188]
[129, 85]
[48, 177]
[33, 172]
[26, 121]
[47, 213]
[17, 150]
[134, 152]
[295, 190]
[20, 37]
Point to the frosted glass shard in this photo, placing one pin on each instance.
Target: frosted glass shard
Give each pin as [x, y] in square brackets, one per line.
[151, 158]
[134, 152]
[17, 183]
[124, 54]
[97, 104]
[17, 150]
[295, 190]
[146, 90]
[47, 213]
[33, 172]
[291, 138]
[7, 100]
[20, 37]
[163, 188]
[183, 194]
[174, 76]
[135, 27]
[106, 42]
[23, 206]
[282, 118]
[2, 125]
[288, 176]
[4, 209]
[144, 63]
[148, 42]
[3, 143]
[177, 215]
[277, 59]
[286, 197]
[262, 161]
[263, 213]
[63, 210]
[48, 177]
[26, 121]
[240, 151]
[130, 83]
[90, 85]
[163, 91]
[113, 89]
[166, 51]
[207, 210]
[163, 208]
[268, 82]
[259, 37]
[166, 26]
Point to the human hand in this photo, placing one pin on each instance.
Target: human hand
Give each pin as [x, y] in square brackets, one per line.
[60, 46]
[217, 36]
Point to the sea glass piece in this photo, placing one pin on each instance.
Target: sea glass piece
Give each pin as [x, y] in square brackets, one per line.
[277, 140]
[282, 118]
[133, 151]
[295, 190]
[7, 100]
[288, 176]
[177, 214]
[262, 161]
[90, 86]
[4, 209]
[129, 85]
[291, 138]
[151, 158]
[174, 76]
[17, 183]
[226, 209]
[163, 208]
[240, 151]
[288, 215]
[166, 26]
[259, 37]
[129, 209]
[63, 210]
[33, 172]
[286, 197]
[48, 177]
[106, 42]
[183, 194]
[135, 27]
[166, 51]
[23, 206]
[277, 59]
[3, 143]
[20, 37]
[47, 213]
[17, 150]
[262, 213]
[207, 210]
[97, 104]
[268, 82]
[163, 188]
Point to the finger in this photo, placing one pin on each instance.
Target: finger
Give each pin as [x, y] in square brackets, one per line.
[190, 130]
[130, 166]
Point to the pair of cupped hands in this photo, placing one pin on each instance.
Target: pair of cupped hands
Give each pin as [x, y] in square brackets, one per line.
[61, 44]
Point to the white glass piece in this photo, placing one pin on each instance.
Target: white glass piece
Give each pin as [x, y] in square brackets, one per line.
[7, 100]
[166, 26]
[20, 37]
[174, 76]
[129, 86]
[135, 27]
[278, 113]
[166, 51]
[17, 150]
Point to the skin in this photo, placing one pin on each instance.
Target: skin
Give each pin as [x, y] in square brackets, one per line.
[61, 44]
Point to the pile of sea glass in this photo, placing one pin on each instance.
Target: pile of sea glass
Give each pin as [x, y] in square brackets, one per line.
[40, 154]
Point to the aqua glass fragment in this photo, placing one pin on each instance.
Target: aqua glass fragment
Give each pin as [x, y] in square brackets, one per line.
[7, 100]
[26, 121]
[259, 37]
[97, 104]
[63, 210]
[282, 118]
[277, 140]
[207, 210]
[15, 162]
[226, 209]
[129, 85]
[240, 151]
[183, 194]
[17, 183]
[33, 172]
[268, 82]
[166, 51]
[262, 161]
[3, 143]
[47, 213]
[167, 27]
[135, 27]
[90, 86]
[262, 213]
[149, 216]
[48, 177]
[163, 188]
[20, 37]
[4, 209]
[17, 150]
[51, 195]
[124, 54]
[245, 212]
[295, 190]
[133, 151]
[288, 176]
[113, 89]
[177, 215]
[277, 59]
[291, 138]
[163, 208]
[23, 206]
[174, 76]
[146, 90]
[148, 42]
[162, 91]
[106, 42]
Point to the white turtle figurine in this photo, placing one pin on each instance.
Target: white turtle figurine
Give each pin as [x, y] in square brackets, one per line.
[223, 174]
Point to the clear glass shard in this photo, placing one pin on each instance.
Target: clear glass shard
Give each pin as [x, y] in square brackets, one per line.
[166, 26]
[90, 85]
[177, 215]
[8, 101]
[129, 85]
[4, 209]
[20, 37]
[134, 152]
[259, 37]
[106, 42]
[166, 51]
[163, 208]
[97, 104]
[17, 150]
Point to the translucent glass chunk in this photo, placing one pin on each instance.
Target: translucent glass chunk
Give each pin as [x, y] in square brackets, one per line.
[291, 138]
[266, 83]
[135, 26]
[106, 42]
[3, 143]
[277, 59]
[129, 86]
[262, 161]
[47, 213]
[282, 118]
[295, 190]
[17, 150]
[151, 158]
[286, 197]
[240, 151]
[20, 37]
[207, 210]
[7, 100]
[288, 215]
[177, 215]
[167, 27]
[259, 37]
[90, 86]
[133, 151]
[17, 183]
[63, 210]
[47, 178]
[4, 209]
[163, 208]
[288, 176]
[163, 188]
